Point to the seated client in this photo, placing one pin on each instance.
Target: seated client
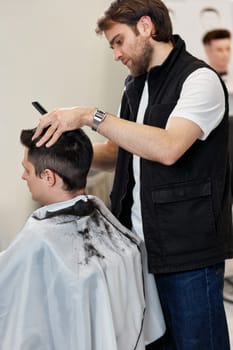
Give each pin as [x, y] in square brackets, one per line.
[72, 279]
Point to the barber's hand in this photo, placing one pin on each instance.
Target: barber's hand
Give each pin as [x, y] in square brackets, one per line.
[62, 120]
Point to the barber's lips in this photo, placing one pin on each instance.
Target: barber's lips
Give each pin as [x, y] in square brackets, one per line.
[125, 62]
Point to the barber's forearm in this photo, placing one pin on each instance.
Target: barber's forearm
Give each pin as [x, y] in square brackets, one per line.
[165, 146]
[149, 142]
[105, 155]
[142, 140]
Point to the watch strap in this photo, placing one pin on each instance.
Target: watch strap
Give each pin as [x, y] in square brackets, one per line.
[98, 118]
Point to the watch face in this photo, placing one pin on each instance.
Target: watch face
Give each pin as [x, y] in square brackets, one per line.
[98, 117]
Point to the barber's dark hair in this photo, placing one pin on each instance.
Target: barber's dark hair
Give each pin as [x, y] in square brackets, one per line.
[70, 157]
[130, 11]
[215, 35]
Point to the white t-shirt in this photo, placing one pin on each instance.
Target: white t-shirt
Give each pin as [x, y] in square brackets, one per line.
[202, 101]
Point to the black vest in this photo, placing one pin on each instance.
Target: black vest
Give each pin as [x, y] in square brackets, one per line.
[186, 207]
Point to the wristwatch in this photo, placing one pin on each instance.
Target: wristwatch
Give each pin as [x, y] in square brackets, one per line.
[98, 118]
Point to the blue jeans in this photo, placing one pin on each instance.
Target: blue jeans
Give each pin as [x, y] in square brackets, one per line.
[193, 308]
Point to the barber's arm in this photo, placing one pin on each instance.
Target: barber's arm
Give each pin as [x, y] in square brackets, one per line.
[105, 155]
[198, 111]
[164, 146]
[62, 120]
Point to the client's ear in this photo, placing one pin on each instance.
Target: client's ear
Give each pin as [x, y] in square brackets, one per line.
[49, 176]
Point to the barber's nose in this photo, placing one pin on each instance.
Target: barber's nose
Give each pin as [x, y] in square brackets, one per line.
[117, 54]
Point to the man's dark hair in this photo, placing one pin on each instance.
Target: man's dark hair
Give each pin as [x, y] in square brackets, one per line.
[130, 11]
[215, 35]
[70, 157]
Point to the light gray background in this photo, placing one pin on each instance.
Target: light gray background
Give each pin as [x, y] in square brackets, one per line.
[50, 53]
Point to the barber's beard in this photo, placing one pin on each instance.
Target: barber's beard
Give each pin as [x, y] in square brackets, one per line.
[141, 60]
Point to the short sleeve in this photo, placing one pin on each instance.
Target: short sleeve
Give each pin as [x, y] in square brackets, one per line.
[202, 100]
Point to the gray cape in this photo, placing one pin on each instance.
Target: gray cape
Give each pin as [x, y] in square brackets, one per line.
[72, 279]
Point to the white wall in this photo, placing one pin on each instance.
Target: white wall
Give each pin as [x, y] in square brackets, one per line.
[49, 53]
[193, 18]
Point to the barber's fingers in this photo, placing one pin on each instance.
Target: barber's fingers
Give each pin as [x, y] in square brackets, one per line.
[46, 120]
[52, 121]
[50, 137]
[59, 121]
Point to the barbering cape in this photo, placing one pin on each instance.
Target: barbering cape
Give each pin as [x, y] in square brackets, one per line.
[72, 280]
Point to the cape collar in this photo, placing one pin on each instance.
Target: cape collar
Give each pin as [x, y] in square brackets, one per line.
[65, 207]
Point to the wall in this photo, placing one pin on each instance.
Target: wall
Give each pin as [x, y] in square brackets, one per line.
[49, 53]
[192, 19]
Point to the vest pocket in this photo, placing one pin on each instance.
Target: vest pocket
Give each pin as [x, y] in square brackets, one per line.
[184, 217]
